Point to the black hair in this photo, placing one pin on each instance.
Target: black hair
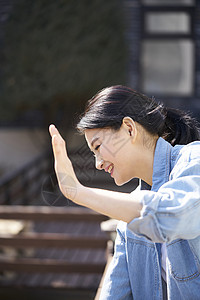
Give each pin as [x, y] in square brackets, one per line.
[110, 105]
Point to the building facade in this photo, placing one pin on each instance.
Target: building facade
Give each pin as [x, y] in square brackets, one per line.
[163, 37]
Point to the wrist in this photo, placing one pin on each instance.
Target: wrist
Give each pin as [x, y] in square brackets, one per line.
[76, 193]
[70, 187]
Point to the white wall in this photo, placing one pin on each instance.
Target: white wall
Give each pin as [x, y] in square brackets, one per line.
[19, 146]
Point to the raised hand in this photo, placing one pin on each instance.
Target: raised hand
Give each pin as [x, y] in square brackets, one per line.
[120, 206]
[66, 176]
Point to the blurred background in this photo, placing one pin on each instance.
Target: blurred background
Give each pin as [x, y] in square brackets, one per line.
[55, 55]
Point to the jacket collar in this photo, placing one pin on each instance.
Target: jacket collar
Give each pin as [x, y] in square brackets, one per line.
[161, 164]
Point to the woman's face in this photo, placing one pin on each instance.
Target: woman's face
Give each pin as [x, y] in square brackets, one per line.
[113, 151]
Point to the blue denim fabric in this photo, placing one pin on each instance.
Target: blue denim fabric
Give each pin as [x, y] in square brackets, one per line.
[170, 214]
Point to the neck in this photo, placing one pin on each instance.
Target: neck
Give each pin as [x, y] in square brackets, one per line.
[146, 161]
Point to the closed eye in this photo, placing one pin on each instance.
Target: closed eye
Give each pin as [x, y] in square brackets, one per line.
[96, 148]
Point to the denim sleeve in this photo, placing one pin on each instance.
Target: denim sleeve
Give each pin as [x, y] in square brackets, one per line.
[116, 284]
[174, 210]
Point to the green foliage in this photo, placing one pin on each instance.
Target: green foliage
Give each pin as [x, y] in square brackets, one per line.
[59, 53]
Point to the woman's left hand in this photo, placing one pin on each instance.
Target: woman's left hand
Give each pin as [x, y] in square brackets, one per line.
[66, 176]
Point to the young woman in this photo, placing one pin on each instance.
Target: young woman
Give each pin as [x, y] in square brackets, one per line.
[157, 249]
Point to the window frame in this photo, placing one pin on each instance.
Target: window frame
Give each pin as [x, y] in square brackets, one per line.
[168, 9]
[145, 36]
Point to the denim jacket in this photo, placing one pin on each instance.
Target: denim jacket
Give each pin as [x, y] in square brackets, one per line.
[171, 215]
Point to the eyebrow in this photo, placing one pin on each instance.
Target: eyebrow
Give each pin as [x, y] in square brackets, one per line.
[93, 141]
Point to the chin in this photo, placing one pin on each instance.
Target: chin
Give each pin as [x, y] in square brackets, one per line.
[120, 181]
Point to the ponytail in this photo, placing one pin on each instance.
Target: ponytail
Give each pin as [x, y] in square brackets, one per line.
[179, 127]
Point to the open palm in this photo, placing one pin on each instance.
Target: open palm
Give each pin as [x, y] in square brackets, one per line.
[66, 176]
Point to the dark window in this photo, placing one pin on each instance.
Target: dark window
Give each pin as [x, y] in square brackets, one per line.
[167, 49]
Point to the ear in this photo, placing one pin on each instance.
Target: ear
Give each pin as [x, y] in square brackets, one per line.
[130, 127]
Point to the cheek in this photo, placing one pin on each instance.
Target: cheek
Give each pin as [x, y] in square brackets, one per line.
[105, 152]
[113, 151]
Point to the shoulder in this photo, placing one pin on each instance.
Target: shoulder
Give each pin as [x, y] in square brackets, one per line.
[186, 156]
[193, 150]
[188, 152]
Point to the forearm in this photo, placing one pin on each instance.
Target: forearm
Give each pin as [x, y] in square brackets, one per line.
[117, 205]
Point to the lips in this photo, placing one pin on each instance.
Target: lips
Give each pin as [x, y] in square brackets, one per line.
[109, 169]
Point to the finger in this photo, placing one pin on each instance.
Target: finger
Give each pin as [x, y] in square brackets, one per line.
[54, 131]
[58, 142]
[56, 148]
[51, 129]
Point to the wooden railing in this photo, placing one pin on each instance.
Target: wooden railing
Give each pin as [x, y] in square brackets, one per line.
[23, 185]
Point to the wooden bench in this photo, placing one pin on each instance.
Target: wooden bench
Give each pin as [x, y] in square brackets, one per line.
[89, 242]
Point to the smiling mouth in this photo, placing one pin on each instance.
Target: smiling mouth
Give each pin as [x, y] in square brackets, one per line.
[110, 169]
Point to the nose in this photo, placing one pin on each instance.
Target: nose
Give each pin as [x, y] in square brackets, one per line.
[99, 163]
